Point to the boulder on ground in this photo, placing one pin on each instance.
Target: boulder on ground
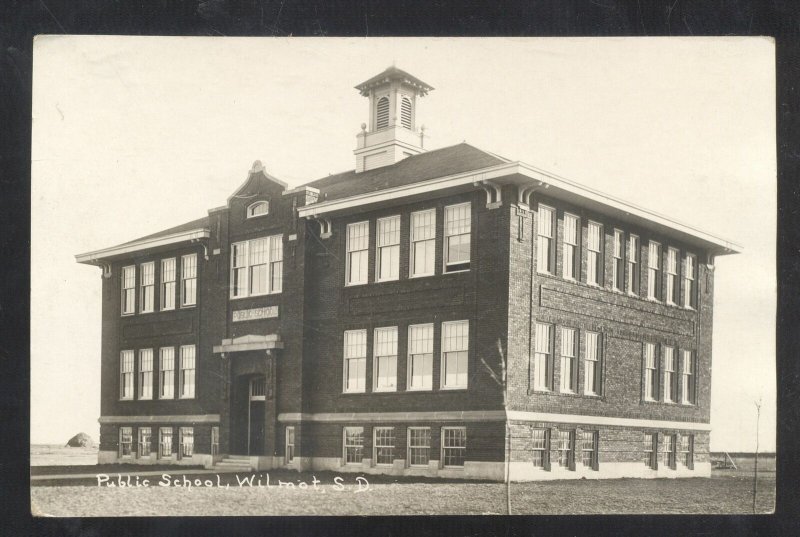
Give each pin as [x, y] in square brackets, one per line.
[80, 440]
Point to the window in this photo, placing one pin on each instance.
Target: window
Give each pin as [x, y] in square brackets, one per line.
[454, 446]
[589, 446]
[687, 451]
[289, 453]
[357, 253]
[543, 356]
[669, 374]
[405, 112]
[687, 379]
[382, 113]
[214, 441]
[383, 445]
[145, 373]
[420, 357]
[355, 361]
[144, 441]
[125, 441]
[126, 375]
[385, 359]
[570, 251]
[544, 241]
[166, 371]
[189, 280]
[168, 284]
[689, 277]
[423, 243]
[650, 449]
[668, 452]
[353, 445]
[457, 228]
[594, 257]
[650, 372]
[259, 208]
[146, 287]
[568, 369]
[654, 271]
[419, 446]
[618, 269]
[633, 265]
[187, 372]
[128, 290]
[186, 439]
[566, 449]
[257, 266]
[591, 379]
[165, 442]
[455, 350]
[387, 258]
[540, 448]
[672, 276]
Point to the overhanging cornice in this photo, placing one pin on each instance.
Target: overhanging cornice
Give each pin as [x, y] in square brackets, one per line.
[91, 258]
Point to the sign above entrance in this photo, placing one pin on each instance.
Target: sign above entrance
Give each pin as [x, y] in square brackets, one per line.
[267, 312]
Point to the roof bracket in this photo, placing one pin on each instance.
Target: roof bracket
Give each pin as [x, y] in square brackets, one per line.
[106, 268]
[205, 247]
[325, 229]
[494, 194]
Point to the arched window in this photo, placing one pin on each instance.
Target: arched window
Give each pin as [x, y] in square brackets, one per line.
[405, 112]
[258, 208]
[382, 113]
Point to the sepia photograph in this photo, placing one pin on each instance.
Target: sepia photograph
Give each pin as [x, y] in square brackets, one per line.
[402, 276]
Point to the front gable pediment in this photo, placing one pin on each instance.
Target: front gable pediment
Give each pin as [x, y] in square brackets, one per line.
[258, 185]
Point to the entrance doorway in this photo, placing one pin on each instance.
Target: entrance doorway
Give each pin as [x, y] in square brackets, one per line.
[256, 415]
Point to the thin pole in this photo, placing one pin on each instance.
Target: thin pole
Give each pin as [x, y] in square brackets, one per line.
[755, 469]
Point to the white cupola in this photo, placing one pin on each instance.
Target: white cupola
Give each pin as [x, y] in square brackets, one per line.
[391, 134]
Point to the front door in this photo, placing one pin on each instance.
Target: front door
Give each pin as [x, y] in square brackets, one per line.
[256, 416]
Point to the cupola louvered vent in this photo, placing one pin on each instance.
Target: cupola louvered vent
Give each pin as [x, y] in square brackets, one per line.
[405, 112]
[382, 116]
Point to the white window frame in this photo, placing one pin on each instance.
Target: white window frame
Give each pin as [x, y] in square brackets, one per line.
[145, 375]
[376, 447]
[446, 350]
[669, 358]
[411, 447]
[406, 112]
[161, 443]
[545, 243]
[141, 444]
[566, 449]
[592, 368]
[673, 286]
[167, 291]
[426, 344]
[688, 378]
[427, 242]
[345, 445]
[543, 357]
[289, 444]
[215, 440]
[387, 245]
[618, 266]
[188, 280]
[128, 288]
[462, 265]
[361, 358]
[650, 355]
[594, 254]
[543, 451]
[378, 335]
[650, 449]
[690, 281]
[654, 271]
[147, 287]
[272, 248]
[256, 206]
[382, 122]
[634, 281]
[570, 262]
[126, 438]
[445, 448]
[166, 375]
[669, 450]
[127, 366]
[569, 356]
[591, 438]
[183, 434]
[361, 253]
[686, 442]
[184, 393]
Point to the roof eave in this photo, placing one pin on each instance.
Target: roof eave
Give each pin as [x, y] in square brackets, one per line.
[108, 254]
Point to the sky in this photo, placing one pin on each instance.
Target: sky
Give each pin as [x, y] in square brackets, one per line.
[132, 135]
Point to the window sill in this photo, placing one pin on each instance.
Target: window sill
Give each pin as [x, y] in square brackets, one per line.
[454, 271]
[145, 399]
[417, 276]
[187, 306]
[186, 398]
[388, 280]
[453, 388]
[131, 314]
[146, 312]
[127, 399]
[260, 295]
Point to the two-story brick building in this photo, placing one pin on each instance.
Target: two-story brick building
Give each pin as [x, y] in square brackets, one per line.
[444, 313]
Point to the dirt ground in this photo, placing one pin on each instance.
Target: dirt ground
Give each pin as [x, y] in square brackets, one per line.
[726, 492]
